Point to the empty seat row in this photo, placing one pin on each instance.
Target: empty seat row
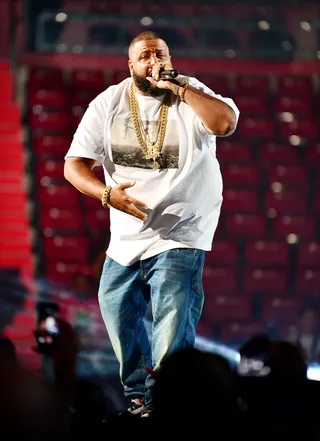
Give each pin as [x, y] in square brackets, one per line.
[264, 253]
[66, 221]
[271, 310]
[256, 85]
[229, 280]
[298, 107]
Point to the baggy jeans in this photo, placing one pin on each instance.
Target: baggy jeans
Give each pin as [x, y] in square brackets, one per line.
[172, 280]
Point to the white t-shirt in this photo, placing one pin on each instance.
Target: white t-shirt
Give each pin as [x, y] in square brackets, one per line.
[183, 198]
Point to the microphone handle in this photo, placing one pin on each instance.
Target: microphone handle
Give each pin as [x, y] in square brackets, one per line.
[168, 74]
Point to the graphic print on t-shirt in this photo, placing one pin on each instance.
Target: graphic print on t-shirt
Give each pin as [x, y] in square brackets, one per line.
[127, 152]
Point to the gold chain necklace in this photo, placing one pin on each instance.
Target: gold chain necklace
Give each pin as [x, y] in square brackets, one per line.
[151, 150]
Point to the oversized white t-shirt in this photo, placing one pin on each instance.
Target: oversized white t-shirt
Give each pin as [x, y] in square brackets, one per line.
[183, 197]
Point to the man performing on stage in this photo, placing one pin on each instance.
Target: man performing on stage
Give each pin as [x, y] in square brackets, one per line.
[156, 139]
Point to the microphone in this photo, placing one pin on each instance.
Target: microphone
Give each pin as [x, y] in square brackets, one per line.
[168, 74]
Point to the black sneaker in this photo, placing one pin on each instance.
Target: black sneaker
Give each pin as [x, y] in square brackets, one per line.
[147, 412]
[136, 407]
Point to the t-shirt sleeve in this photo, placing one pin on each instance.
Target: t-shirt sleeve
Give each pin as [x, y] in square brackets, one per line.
[200, 86]
[88, 140]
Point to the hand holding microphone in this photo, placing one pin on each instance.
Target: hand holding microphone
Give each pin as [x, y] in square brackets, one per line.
[162, 72]
[165, 77]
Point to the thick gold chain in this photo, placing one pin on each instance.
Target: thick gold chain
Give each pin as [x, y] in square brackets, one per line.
[150, 149]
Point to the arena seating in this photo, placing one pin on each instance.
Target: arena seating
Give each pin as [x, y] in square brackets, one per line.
[265, 261]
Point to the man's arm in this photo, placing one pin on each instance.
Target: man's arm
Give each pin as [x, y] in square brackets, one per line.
[78, 171]
[216, 116]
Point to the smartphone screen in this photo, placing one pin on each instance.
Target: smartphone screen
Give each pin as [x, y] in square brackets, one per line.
[47, 325]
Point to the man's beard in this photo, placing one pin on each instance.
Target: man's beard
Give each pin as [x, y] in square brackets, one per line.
[145, 86]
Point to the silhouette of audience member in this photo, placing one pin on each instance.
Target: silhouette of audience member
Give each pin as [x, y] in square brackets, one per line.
[28, 409]
[306, 334]
[278, 392]
[83, 404]
[254, 356]
[195, 391]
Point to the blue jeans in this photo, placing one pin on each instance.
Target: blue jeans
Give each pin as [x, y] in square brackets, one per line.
[173, 282]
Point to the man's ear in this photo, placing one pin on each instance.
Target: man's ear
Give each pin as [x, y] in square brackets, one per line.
[130, 67]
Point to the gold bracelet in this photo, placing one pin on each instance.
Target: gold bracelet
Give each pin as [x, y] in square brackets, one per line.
[182, 91]
[106, 197]
[182, 81]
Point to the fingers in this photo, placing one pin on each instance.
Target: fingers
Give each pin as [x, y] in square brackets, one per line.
[137, 202]
[126, 185]
[131, 209]
[121, 201]
[156, 71]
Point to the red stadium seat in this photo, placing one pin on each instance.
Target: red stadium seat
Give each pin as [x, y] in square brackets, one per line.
[66, 249]
[63, 272]
[83, 98]
[219, 280]
[205, 327]
[52, 145]
[265, 280]
[222, 307]
[286, 202]
[76, 116]
[244, 175]
[307, 280]
[301, 106]
[316, 203]
[98, 220]
[246, 225]
[313, 154]
[50, 169]
[295, 85]
[256, 128]
[309, 255]
[40, 77]
[302, 226]
[222, 253]
[228, 152]
[91, 203]
[279, 309]
[119, 75]
[51, 122]
[272, 153]
[99, 172]
[88, 79]
[58, 196]
[61, 220]
[268, 253]
[253, 85]
[240, 201]
[293, 175]
[306, 129]
[235, 330]
[252, 105]
[218, 84]
[48, 98]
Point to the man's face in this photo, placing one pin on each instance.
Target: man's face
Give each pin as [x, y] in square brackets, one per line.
[143, 55]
